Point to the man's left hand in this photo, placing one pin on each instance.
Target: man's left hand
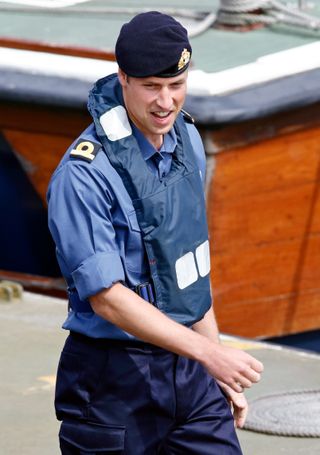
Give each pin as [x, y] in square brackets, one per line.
[238, 403]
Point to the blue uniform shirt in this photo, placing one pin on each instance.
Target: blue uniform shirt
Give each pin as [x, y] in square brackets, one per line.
[94, 225]
[159, 162]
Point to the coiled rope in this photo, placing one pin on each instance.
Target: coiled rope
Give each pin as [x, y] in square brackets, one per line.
[230, 12]
[294, 413]
[248, 12]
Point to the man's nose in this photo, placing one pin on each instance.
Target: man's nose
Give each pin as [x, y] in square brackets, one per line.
[165, 99]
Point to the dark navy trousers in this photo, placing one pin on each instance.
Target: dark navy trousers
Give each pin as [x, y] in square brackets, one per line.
[138, 399]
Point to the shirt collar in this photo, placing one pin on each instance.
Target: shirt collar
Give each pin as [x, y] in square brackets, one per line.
[148, 150]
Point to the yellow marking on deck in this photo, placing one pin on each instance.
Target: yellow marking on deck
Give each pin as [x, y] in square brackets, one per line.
[245, 345]
[49, 380]
[48, 384]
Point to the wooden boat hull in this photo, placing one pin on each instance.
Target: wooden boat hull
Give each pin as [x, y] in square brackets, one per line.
[264, 220]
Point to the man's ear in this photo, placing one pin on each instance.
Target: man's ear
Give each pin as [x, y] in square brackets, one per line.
[123, 78]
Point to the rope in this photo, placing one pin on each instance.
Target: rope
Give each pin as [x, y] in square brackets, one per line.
[205, 24]
[294, 413]
[231, 12]
[245, 19]
[243, 12]
[203, 20]
[240, 6]
[74, 10]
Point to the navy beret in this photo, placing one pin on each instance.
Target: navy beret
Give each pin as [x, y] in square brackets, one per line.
[153, 44]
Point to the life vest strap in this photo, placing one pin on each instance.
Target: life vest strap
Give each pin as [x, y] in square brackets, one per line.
[145, 290]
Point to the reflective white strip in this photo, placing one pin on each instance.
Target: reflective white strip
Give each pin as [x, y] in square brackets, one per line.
[115, 123]
[186, 270]
[203, 258]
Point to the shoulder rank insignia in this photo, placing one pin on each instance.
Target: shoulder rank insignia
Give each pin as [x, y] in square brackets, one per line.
[187, 117]
[85, 150]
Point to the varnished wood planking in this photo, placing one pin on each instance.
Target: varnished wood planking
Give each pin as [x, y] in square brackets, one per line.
[61, 121]
[73, 51]
[264, 219]
[273, 164]
[40, 152]
[266, 271]
[40, 135]
[271, 317]
[220, 138]
[283, 214]
[36, 283]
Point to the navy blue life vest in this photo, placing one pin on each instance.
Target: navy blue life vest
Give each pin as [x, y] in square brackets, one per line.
[171, 212]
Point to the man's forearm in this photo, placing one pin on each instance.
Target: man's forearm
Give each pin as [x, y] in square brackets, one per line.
[131, 313]
[208, 326]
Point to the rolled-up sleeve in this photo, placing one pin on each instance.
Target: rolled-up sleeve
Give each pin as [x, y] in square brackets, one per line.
[97, 272]
[80, 221]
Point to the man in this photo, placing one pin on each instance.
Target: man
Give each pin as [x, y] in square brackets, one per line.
[138, 373]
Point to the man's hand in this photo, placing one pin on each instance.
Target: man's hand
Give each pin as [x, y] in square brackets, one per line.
[238, 403]
[235, 368]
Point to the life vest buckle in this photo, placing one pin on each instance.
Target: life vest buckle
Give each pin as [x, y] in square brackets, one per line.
[145, 291]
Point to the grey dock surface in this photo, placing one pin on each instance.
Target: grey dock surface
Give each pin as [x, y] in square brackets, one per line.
[31, 341]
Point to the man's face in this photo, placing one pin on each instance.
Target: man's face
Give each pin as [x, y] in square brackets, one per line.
[153, 103]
